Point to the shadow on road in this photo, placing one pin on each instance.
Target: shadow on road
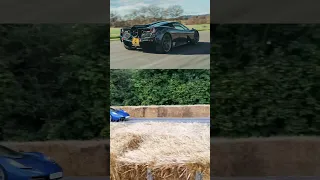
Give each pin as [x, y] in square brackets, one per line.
[202, 48]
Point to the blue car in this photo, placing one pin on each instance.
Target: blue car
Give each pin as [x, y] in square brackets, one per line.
[27, 165]
[117, 115]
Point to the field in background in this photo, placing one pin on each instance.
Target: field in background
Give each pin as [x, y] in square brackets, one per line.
[114, 32]
[175, 149]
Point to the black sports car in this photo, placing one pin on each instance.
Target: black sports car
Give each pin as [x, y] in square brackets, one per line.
[160, 36]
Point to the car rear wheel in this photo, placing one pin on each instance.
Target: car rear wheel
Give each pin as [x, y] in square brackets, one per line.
[2, 174]
[166, 44]
[196, 38]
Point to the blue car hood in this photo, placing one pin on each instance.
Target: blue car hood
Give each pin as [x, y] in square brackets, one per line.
[116, 115]
[121, 112]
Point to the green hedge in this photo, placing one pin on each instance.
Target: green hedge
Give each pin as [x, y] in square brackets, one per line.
[53, 82]
[159, 87]
[265, 80]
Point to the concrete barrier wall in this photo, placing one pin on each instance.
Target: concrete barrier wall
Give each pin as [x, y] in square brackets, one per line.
[179, 111]
[282, 156]
[77, 158]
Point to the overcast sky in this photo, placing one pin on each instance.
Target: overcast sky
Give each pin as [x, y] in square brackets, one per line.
[190, 7]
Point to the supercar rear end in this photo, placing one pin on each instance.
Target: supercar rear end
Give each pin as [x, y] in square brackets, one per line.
[148, 34]
[138, 36]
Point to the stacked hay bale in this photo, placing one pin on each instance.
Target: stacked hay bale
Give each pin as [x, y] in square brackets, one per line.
[171, 150]
[167, 111]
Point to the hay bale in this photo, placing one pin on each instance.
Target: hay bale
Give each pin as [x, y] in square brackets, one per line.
[134, 111]
[179, 111]
[151, 111]
[171, 150]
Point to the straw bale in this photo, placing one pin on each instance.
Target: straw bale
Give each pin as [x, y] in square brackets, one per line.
[134, 111]
[172, 150]
[151, 111]
[178, 111]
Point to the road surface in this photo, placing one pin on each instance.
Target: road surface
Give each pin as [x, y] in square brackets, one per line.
[175, 120]
[184, 57]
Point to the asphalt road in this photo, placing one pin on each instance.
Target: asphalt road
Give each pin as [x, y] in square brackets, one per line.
[175, 120]
[184, 57]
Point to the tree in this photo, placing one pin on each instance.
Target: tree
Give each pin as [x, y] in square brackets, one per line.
[175, 11]
[114, 18]
[155, 12]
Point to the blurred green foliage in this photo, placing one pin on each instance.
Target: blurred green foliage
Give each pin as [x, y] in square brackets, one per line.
[159, 87]
[53, 81]
[265, 80]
